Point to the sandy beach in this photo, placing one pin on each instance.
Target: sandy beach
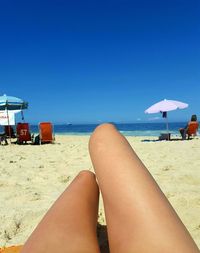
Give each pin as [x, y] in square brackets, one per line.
[32, 177]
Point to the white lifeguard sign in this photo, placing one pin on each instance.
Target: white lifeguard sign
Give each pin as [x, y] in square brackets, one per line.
[8, 117]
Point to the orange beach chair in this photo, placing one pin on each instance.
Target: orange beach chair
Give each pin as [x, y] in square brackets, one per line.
[23, 133]
[12, 249]
[46, 132]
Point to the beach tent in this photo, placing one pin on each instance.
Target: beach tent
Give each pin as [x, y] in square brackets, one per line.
[8, 117]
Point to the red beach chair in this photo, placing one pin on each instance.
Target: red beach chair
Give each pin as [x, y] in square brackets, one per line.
[23, 133]
[46, 132]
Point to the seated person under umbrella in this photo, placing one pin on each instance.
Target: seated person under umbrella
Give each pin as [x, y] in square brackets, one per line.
[191, 128]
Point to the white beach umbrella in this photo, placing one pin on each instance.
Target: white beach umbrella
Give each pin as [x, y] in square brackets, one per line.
[165, 106]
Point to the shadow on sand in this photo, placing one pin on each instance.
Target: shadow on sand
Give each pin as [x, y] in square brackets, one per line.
[172, 139]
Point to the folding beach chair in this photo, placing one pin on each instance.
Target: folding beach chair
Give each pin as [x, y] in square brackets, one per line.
[23, 133]
[46, 132]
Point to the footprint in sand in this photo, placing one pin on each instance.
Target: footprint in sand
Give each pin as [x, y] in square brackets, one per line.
[167, 168]
[64, 179]
[36, 196]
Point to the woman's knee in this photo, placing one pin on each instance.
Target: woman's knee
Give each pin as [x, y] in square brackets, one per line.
[105, 127]
[86, 181]
[86, 175]
[100, 133]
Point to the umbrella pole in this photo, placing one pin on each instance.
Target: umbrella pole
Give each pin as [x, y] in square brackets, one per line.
[167, 125]
[22, 114]
[8, 124]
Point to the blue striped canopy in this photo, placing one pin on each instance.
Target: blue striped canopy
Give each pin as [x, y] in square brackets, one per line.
[12, 103]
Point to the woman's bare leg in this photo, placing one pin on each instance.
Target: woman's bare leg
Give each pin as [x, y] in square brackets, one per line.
[139, 217]
[70, 225]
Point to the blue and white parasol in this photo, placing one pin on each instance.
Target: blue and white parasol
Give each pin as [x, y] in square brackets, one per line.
[12, 103]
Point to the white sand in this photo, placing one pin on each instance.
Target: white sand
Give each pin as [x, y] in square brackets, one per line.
[32, 177]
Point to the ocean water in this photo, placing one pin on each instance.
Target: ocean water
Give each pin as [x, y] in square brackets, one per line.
[131, 129]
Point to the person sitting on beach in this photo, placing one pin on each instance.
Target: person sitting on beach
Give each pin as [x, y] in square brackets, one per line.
[138, 215]
[184, 131]
[3, 139]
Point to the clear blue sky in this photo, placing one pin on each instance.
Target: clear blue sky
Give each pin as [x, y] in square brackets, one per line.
[91, 61]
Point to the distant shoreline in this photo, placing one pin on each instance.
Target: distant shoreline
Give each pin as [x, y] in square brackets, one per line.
[127, 129]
